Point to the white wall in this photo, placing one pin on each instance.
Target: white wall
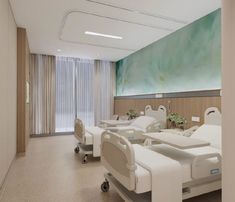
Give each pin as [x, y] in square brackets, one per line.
[8, 68]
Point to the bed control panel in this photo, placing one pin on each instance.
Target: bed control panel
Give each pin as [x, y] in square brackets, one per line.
[215, 171]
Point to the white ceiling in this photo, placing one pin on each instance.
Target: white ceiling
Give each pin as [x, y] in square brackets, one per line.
[60, 24]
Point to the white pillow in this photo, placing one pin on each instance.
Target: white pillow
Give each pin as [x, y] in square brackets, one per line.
[209, 133]
[143, 122]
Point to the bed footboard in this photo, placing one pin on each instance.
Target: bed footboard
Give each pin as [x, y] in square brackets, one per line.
[117, 155]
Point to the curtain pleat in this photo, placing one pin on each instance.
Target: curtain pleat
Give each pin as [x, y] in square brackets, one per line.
[104, 90]
[85, 72]
[42, 94]
[65, 94]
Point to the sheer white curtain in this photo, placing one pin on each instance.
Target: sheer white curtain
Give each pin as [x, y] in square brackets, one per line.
[84, 89]
[105, 86]
[42, 94]
[85, 92]
[65, 94]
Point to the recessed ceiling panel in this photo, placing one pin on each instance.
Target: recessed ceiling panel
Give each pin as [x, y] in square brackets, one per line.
[180, 10]
[135, 34]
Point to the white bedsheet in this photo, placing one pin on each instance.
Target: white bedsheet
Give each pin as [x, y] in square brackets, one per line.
[166, 179]
[88, 138]
[209, 133]
[96, 133]
[143, 180]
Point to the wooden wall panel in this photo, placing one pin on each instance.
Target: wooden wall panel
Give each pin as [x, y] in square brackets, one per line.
[22, 77]
[187, 107]
[27, 61]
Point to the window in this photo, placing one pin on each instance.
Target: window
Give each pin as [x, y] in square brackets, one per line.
[84, 90]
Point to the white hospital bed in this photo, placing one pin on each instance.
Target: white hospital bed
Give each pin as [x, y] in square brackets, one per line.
[200, 168]
[90, 138]
[153, 121]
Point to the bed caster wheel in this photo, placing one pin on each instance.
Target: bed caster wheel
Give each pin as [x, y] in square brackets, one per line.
[105, 186]
[76, 150]
[84, 160]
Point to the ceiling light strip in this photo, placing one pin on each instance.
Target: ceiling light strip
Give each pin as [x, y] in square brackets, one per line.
[141, 12]
[103, 35]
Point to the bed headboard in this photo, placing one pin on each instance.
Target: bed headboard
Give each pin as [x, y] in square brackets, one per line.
[118, 157]
[212, 116]
[160, 114]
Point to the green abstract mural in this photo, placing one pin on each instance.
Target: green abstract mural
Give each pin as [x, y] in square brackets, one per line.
[186, 60]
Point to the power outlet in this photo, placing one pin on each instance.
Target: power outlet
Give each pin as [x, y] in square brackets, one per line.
[195, 119]
[158, 95]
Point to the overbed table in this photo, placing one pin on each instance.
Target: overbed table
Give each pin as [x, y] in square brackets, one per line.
[177, 141]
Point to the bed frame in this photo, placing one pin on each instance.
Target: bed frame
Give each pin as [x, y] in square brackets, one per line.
[160, 114]
[121, 165]
[212, 116]
[83, 146]
[135, 136]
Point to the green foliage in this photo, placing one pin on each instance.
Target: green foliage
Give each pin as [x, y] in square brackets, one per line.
[177, 120]
[132, 114]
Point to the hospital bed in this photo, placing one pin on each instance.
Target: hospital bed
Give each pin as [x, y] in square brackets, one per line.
[90, 138]
[162, 172]
[153, 121]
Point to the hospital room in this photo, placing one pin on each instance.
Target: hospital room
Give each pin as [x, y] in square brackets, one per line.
[117, 101]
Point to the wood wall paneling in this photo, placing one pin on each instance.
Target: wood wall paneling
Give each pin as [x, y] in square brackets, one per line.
[187, 107]
[22, 77]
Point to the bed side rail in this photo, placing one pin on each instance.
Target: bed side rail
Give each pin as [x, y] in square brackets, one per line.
[201, 170]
